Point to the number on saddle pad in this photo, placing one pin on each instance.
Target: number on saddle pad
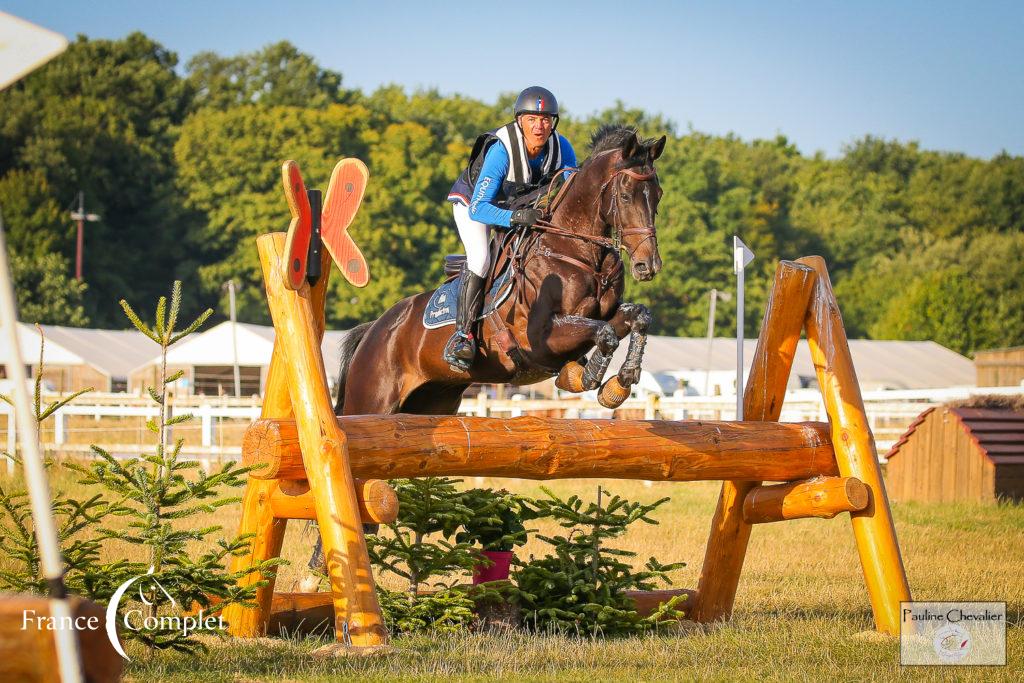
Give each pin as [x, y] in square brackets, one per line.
[344, 194]
[300, 230]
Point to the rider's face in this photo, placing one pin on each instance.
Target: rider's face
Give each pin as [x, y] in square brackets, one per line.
[536, 128]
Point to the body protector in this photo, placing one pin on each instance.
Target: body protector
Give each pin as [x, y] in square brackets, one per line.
[521, 178]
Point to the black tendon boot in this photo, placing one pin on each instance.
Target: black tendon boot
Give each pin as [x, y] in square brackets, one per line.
[461, 349]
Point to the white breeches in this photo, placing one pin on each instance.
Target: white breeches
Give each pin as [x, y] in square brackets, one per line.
[475, 237]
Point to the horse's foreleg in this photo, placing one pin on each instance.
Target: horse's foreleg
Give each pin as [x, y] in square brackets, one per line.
[567, 331]
[637, 319]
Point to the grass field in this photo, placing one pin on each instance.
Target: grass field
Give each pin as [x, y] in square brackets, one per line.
[801, 612]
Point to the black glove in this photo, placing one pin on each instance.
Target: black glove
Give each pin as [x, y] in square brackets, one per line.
[524, 218]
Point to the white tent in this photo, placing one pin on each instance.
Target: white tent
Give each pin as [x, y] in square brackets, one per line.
[102, 359]
[880, 364]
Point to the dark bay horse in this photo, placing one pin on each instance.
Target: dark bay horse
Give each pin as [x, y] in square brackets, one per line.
[570, 281]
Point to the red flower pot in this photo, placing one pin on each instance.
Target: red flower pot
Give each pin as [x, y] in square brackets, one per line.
[498, 571]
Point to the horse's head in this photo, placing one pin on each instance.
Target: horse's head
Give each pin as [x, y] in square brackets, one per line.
[630, 195]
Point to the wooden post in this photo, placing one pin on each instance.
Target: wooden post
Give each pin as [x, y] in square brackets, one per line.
[257, 514]
[823, 497]
[268, 537]
[358, 620]
[873, 527]
[762, 400]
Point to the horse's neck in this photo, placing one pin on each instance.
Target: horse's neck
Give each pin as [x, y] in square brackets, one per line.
[580, 211]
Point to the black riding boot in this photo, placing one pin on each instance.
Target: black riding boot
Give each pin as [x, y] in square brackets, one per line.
[461, 349]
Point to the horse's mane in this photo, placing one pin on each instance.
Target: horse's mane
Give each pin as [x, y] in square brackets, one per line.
[610, 136]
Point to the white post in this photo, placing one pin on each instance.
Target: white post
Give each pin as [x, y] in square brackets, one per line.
[206, 424]
[711, 340]
[12, 437]
[741, 256]
[234, 337]
[481, 404]
[59, 428]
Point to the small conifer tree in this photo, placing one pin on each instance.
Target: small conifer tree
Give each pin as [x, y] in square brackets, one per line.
[580, 587]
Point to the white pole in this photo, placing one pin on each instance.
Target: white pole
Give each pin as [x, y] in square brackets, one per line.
[711, 339]
[741, 256]
[35, 477]
[234, 336]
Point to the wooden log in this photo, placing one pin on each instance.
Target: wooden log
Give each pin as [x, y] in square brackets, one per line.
[313, 613]
[257, 517]
[378, 502]
[547, 448]
[358, 622]
[28, 652]
[873, 527]
[823, 497]
[762, 400]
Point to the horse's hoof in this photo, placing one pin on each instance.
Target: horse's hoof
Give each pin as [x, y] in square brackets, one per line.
[571, 377]
[613, 394]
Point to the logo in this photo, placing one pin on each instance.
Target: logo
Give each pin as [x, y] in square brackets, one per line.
[952, 643]
[143, 618]
[540, 104]
[136, 620]
[953, 633]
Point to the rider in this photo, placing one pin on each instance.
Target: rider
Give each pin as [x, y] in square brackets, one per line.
[529, 155]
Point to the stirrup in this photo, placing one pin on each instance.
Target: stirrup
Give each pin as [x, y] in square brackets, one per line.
[457, 363]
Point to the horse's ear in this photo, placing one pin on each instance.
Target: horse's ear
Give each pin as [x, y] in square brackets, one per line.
[631, 147]
[658, 147]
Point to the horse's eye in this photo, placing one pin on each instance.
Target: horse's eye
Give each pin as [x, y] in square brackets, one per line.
[624, 197]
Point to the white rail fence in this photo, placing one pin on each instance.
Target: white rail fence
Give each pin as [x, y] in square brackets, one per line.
[117, 422]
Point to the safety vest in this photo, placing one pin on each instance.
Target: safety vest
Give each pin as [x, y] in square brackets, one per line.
[521, 177]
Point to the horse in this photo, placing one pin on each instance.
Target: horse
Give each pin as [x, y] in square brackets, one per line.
[568, 281]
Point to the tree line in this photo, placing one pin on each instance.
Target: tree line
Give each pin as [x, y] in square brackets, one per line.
[184, 170]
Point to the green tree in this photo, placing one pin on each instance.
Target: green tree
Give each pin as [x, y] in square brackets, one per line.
[277, 75]
[47, 294]
[102, 119]
[230, 174]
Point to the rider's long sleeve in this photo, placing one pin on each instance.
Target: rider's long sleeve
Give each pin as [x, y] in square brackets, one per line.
[492, 175]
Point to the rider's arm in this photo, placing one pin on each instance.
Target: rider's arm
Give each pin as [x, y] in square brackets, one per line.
[568, 153]
[492, 176]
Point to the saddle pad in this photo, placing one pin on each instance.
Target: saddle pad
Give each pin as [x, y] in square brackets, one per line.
[440, 310]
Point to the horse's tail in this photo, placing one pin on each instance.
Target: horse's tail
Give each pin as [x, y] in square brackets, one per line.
[348, 346]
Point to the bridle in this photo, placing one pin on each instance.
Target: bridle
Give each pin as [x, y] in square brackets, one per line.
[619, 231]
[615, 242]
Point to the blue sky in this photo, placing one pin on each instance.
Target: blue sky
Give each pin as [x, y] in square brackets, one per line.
[949, 75]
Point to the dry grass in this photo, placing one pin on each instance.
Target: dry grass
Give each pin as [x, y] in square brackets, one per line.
[800, 605]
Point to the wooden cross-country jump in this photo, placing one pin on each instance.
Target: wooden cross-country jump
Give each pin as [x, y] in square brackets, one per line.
[320, 466]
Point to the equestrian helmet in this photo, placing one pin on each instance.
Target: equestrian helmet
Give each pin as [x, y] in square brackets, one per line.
[536, 100]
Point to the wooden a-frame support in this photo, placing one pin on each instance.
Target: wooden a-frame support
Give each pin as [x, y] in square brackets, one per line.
[297, 388]
[801, 299]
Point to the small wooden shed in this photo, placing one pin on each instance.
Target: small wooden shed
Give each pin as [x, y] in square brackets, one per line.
[1000, 367]
[952, 453]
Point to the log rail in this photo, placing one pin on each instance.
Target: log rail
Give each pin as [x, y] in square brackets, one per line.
[547, 448]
